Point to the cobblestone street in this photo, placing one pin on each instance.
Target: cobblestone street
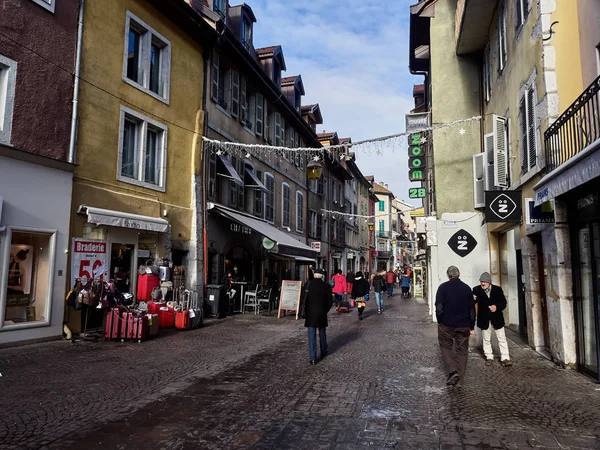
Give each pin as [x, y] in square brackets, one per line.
[245, 382]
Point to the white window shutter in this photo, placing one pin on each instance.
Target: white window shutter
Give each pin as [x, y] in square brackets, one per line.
[215, 76]
[479, 180]
[235, 93]
[531, 138]
[259, 114]
[243, 101]
[488, 148]
[500, 152]
[523, 115]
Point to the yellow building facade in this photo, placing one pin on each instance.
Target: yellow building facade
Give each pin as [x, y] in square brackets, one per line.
[139, 139]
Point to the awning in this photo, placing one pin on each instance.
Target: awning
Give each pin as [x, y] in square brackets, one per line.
[300, 259]
[252, 180]
[263, 228]
[578, 170]
[121, 219]
[230, 171]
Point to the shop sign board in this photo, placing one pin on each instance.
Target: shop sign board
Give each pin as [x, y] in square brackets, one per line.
[462, 243]
[239, 228]
[88, 259]
[289, 299]
[417, 193]
[543, 213]
[503, 206]
[316, 246]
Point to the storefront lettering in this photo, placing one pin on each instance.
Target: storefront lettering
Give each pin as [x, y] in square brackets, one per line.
[90, 247]
[242, 229]
[128, 223]
[586, 201]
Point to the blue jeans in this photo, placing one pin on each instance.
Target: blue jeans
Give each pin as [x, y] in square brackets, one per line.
[312, 342]
[390, 287]
[379, 300]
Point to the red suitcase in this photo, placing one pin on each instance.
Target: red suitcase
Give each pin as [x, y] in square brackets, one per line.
[139, 329]
[146, 283]
[126, 325]
[182, 320]
[154, 307]
[166, 317]
[112, 325]
[152, 324]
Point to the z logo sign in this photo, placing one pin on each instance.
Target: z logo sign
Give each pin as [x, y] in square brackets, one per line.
[462, 243]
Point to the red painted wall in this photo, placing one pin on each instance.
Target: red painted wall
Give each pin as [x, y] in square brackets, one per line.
[44, 85]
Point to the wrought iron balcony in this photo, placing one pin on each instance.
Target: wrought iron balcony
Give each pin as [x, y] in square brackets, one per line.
[382, 254]
[575, 129]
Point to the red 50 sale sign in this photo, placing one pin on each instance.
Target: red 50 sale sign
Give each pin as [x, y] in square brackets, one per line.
[88, 259]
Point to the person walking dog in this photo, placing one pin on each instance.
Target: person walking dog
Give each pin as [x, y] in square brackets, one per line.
[360, 293]
[317, 304]
[455, 312]
[491, 302]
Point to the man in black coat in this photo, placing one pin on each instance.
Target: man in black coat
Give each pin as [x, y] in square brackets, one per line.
[317, 303]
[455, 312]
[491, 302]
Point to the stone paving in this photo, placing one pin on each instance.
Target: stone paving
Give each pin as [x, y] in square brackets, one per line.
[245, 382]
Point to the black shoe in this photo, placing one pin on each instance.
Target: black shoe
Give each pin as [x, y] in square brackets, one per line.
[453, 378]
[313, 361]
[360, 317]
[323, 355]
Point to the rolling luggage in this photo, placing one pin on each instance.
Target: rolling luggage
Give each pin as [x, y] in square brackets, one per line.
[112, 324]
[146, 284]
[189, 315]
[344, 306]
[152, 324]
[166, 317]
[126, 325]
[139, 329]
[153, 307]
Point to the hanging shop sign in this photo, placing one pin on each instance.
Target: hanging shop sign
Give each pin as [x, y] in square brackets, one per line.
[503, 206]
[350, 256]
[416, 175]
[267, 243]
[88, 260]
[316, 246]
[417, 193]
[538, 214]
[462, 243]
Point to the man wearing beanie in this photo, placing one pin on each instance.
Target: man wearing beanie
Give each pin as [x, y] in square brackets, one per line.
[491, 302]
[455, 312]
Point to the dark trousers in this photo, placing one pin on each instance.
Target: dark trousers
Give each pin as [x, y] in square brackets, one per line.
[312, 342]
[390, 289]
[459, 339]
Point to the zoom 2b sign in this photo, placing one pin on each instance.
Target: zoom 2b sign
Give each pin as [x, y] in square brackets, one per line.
[503, 206]
[462, 243]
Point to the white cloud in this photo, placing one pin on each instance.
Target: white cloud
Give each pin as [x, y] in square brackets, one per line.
[353, 58]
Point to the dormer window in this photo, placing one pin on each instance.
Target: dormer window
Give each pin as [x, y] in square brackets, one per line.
[247, 33]
[220, 7]
[276, 72]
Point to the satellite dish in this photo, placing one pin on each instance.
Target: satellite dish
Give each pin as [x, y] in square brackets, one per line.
[268, 243]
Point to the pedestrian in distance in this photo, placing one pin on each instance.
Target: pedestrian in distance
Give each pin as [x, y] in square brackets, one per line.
[349, 281]
[379, 286]
[405, 285]
[390, 280]
[490, 301]
[455, 312]
[338, 287]
[318, 302]
[360, 293]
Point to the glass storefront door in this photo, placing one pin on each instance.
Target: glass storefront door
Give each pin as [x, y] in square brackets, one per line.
[586, 313]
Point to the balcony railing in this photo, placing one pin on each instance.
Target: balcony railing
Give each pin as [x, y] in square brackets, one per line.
[575, 129]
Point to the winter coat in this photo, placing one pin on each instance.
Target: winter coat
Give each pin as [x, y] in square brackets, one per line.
[379, 284]
[340, 284]
[390, 277]
[317, 303]
[350, 278]
[405, 281]
[484, 315]
[454, 304]
[360, 288]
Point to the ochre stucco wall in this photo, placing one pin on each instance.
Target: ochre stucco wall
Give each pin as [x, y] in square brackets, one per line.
[102, 95]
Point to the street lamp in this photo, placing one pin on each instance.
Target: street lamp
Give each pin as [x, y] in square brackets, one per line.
[371, 227]
[314, 170]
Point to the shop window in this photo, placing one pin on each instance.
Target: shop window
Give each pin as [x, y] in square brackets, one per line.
[147, 64]
[142, 151]
[29, 277]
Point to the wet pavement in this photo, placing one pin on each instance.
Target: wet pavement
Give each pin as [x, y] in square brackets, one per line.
[245, 382]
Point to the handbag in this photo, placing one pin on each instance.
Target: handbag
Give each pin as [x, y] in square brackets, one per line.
[366, 297]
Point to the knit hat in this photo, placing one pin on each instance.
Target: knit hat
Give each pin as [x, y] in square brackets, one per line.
[485, 277]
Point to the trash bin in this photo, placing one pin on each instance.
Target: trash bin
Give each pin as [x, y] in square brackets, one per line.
[216, 303]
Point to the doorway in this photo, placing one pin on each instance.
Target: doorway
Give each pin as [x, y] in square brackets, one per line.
[521, 295]
[542, 286]
[121, 262]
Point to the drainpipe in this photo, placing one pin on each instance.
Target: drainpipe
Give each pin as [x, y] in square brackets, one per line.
[73, 137]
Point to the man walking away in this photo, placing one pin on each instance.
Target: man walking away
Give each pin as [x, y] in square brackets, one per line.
[491, 302]
[379, 287]
[339, 287]
[360, 291]
[390, 279]
[317, 304]
[455, 312]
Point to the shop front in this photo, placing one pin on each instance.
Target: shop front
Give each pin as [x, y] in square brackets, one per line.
[35, 201]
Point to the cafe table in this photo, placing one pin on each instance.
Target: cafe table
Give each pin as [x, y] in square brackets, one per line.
[241, 285]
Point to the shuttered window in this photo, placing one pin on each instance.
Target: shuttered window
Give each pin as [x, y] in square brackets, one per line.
[488, 148]
[214, 92]
[502, 40]
[235, 93]
[479, 180]
[259, 114]
[501, 178]
[528, 130]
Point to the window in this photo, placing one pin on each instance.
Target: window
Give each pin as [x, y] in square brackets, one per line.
[381, 227]
[278, 129]
[487, 75]
[47, 4]
[270, 198]
[147, 59]
[236, 191]
[299, 211]
[285, 204]
[521, 11]
[220, 7]
[8, 77]
[235, 93]
[260, 113]
[312, 224]
[502, 40]
[142, 150]
[29, 278]
[528, 130]
[320, 227]
[212, 177]
[247, 33]
[258, 198]
[381, 205]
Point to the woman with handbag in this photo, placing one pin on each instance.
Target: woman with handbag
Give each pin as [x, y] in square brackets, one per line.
[360, 293]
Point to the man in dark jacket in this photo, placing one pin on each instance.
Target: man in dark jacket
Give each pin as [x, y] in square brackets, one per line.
[491, 302]
[317, 304]
[455, 312]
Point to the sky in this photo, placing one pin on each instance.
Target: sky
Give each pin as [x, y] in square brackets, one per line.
[353, 59]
